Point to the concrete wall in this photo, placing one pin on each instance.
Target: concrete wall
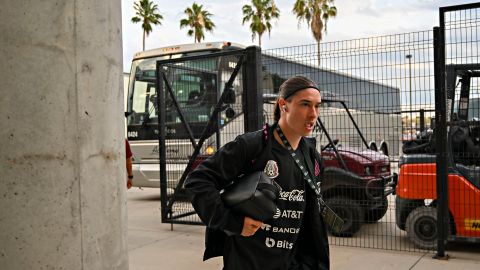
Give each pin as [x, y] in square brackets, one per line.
[62, 163]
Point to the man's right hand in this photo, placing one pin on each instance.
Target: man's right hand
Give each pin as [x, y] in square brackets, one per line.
[250, 226]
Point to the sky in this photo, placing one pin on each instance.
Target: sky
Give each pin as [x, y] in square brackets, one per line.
[355, 19]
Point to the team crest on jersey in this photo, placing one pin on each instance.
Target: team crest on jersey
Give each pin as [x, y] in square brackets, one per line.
[271, 169]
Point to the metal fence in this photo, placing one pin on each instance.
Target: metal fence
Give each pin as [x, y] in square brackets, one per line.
[457, 68]
[382, 116]
[383, 82]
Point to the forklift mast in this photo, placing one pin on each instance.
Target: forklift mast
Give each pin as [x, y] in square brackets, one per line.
[465, 72]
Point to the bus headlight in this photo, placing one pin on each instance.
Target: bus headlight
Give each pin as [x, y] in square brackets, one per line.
[210, 150]
[368, 170]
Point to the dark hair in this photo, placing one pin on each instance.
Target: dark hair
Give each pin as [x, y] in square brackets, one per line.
[289, 88]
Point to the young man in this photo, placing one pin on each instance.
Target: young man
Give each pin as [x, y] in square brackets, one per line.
[295, 238]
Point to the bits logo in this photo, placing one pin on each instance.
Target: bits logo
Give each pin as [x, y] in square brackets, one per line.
[269, 242]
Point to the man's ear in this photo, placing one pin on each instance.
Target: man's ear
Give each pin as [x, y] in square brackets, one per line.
[283, 105]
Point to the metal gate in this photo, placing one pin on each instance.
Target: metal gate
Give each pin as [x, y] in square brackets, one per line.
[204, 101]
[457, 110]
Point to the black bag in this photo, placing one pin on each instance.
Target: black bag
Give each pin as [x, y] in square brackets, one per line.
[253, 195]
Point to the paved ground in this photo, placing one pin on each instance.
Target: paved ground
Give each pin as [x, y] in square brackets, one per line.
[153, 245]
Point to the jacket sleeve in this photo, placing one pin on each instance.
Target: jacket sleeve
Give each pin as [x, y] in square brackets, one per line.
[206, 181]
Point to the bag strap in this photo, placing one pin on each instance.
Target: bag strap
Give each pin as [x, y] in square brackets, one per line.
[306, 176]
[258, 149]
[333, 220]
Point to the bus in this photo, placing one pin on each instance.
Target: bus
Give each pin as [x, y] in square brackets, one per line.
[196, 85]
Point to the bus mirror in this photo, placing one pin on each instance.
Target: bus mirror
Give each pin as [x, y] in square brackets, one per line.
[229, 96]
[229, 113]
[153, 100]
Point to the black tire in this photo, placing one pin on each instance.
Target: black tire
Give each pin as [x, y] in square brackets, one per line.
[351, 213]
[421, 227]
[373, 215]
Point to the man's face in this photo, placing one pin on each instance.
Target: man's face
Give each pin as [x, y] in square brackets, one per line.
[302, 111]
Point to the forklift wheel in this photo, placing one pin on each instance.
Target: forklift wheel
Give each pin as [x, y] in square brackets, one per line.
[421, 227]
[350, 211]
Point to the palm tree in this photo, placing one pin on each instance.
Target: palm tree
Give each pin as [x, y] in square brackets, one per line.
[146, 12]
[197, 19]
[316, 13]
[265, 11]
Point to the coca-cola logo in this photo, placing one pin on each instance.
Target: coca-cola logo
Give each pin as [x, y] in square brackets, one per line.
[292, 196]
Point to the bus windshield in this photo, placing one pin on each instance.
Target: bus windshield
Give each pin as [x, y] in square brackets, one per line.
[196, 87]
[191, 86]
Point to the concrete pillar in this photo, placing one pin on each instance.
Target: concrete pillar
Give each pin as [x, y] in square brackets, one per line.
[62, 157]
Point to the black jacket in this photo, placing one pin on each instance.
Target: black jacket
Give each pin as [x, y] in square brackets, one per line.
[248, 153]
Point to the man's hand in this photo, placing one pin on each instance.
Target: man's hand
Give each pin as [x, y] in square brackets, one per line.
[129, 183]
[250, 226]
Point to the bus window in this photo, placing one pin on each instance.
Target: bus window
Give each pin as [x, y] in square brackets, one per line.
[196, 94]
[194, 86]
[144, 96]
[145, 101]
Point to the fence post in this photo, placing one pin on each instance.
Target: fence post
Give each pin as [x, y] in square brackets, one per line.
[441, 139]
[161, 142]
[252, 94]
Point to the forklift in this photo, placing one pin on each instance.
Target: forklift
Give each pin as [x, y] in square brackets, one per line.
[416, 198]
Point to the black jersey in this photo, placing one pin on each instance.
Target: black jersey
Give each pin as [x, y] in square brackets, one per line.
[272, 246]
[249, 153]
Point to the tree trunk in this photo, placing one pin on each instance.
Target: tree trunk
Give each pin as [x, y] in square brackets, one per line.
[143, 40]
[260, 40]
[318, 52]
